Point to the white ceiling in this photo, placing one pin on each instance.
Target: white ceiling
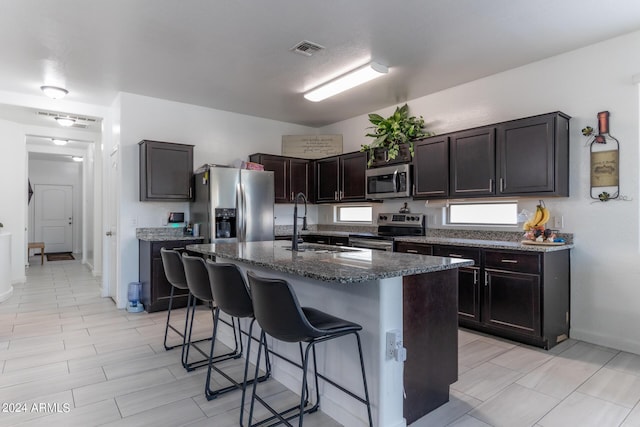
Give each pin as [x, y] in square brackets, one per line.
[234, 54]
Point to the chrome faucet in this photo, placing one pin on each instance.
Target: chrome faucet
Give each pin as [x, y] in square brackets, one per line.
[294, 238]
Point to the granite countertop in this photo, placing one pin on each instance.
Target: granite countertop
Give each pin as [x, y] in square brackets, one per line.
[485, 244]
[162, 234]
[318, 233]
[342, 265]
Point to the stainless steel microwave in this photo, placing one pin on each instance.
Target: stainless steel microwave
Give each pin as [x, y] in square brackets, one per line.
[389, 182]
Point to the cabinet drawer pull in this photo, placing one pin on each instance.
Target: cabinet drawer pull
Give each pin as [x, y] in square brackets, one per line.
[339, 244]
[412, 251]
[509, 261]
[455, 255]
[322, 242]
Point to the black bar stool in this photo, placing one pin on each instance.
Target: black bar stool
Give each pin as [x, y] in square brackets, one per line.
[232, 297]
[174, 270]
[280, 315]
[198, 282]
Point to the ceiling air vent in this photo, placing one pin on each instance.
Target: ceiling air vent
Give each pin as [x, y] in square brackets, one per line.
[306, 48]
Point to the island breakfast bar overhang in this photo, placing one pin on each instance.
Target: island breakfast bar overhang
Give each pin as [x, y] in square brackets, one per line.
[415, 295]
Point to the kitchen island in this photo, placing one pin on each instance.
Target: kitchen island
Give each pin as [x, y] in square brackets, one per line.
[413, 295]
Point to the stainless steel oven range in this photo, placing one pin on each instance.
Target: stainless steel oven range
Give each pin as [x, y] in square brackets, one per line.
[390, 225]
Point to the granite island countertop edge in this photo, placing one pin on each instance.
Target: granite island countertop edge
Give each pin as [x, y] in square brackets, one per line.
[328, 267]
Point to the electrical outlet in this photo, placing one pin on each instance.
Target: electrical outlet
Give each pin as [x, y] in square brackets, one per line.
[394, 340]
[558, 221]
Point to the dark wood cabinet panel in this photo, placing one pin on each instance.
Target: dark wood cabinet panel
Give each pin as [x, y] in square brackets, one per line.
[472, 163]
[352, 176]
[299, 172]
[431, 168]
[414, 248]
[468, 280]
[291, 175]
[533, 156]
[156, 289]
[166, 171]
[341, 178]
[327, 179]
[512, 301]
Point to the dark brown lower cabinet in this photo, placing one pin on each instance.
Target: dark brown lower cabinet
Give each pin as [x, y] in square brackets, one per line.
[156, 289]
[520, 295]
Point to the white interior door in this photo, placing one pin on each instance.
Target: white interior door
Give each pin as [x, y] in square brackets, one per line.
[53, 212]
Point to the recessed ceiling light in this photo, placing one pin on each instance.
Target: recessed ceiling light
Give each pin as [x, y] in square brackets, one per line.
[77, 158]
[350, 80]
[54, 92]
[65, 121]
[59, 141]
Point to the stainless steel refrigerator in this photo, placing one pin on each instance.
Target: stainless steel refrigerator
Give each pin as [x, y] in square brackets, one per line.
[233, 205]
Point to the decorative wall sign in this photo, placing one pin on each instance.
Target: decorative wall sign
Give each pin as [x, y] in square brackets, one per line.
[311, 146]
[605, 160]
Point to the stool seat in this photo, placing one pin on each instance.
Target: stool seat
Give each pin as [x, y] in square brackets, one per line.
[326, 324]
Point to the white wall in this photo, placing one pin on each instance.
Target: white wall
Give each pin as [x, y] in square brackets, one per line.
[13, 193]
[56, 172]
[605, 267]
[218, 136]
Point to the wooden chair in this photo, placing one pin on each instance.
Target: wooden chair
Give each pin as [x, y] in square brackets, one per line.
[36, 245]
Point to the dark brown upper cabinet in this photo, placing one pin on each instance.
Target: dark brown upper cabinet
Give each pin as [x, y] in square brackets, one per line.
[166, 171]
[431, 168]
[473, 163]
[291, 175]
[341, 178]
[533, 156]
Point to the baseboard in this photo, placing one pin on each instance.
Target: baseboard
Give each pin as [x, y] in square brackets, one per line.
[20, 279]
[7, 294]
[615, 342]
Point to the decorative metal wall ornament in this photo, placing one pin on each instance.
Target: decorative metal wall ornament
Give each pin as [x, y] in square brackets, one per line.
[30, 192]
[605, 161]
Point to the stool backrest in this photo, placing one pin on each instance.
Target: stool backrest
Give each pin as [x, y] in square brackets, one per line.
[229, 289]
[278, 310]
[197, 277]
[173, 268]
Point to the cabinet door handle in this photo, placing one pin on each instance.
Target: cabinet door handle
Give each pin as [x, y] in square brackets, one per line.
[335, 195]
[414, 189]
[475, 277]
[190, 192]
[412, 251]
[501, 185]
[490, 184]
[455, 255]
[486, 279]
[341, 194]
[292, 196]
[509, 261]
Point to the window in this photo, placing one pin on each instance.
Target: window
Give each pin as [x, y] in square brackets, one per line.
[354, 214]
[483, 213]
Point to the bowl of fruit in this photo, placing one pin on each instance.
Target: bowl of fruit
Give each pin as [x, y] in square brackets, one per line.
[535, 230]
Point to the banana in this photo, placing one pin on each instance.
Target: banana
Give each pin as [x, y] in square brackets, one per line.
[545, 216]
[538, 216]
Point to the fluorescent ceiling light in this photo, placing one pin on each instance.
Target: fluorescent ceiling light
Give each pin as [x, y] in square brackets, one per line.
[350, 80]
[65, 121]
[54, 92]
[77, 158]
[59, 141]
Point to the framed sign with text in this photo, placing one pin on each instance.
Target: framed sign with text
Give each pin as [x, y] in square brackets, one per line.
[311, 146]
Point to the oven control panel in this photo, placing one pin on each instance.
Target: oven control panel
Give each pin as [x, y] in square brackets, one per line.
[407, 219]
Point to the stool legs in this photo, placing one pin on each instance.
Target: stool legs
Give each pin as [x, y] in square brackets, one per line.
[304, 394]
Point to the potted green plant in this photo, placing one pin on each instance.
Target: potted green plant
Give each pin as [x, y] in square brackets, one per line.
[392, 132]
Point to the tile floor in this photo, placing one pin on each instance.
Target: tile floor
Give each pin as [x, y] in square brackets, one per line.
[64, 346]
